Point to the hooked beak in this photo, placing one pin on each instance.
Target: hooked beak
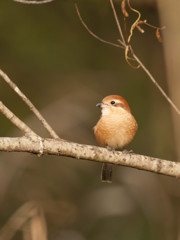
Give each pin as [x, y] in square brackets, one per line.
[99, 105]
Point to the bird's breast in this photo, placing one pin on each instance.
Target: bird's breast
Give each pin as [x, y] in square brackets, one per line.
[115, 130]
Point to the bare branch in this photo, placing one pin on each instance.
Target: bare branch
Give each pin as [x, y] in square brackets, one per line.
[16, 121]
[128, 47]
[94, 35]
[135, 22]
[118, 24]
[29, 104]
[92, 153]
[156, 84]
[33, 2]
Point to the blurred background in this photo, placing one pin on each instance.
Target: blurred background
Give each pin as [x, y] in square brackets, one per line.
[47, 52]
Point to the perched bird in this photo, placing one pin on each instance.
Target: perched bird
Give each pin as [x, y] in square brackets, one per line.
[115, 129]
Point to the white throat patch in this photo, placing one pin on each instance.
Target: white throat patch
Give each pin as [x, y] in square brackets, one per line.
[105, 111]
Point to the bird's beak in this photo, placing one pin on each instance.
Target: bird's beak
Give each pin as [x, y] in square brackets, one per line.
[99, 105]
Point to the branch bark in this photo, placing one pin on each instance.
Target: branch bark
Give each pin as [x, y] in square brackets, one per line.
[33, 2]
[89, 152]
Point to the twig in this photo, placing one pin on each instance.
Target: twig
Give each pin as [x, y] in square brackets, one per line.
[16, 121]
[118, 23]
[128, 48]
[29, 104]
[92, 153]
[33, 2]
[156, 84]
[94, 35]
[143, 67]
[135, 22]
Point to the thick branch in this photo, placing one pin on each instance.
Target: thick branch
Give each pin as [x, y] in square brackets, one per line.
[92, 153]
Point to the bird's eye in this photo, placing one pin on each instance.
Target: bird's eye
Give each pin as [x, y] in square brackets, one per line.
[112, 102]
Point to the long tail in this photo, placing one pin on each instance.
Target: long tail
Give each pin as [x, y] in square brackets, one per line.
[106, 174]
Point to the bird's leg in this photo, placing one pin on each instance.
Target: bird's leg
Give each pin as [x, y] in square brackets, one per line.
[106, 174]
[110, 148]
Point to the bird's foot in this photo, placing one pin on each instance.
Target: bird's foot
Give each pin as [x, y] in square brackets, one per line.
[110, 148]
[127, 151]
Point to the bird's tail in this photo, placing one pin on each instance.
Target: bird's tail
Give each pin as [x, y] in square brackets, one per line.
[106, 174]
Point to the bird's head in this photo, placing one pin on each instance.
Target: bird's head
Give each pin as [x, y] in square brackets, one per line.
[113, 104]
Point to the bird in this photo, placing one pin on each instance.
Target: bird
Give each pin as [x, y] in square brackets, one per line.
[115, 129]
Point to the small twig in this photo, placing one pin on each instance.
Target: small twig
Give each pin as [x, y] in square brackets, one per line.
[29, 104]
[151, 26]
[128, 48]
[118, 24]
[16, 121]
[135, 23]
[94, 35]
[142, 65]
[33, 2]
[156, 84]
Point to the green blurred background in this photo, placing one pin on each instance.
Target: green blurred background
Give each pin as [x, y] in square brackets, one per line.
[47, 52]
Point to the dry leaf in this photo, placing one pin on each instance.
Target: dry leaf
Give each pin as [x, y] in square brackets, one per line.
[158, 35]
[123, 8]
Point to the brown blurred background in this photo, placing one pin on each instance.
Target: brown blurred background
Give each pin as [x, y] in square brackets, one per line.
[65, 72]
